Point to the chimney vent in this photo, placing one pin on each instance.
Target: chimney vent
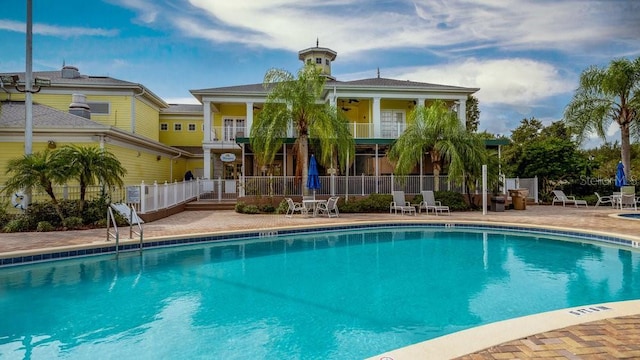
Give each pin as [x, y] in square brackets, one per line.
[79, 106]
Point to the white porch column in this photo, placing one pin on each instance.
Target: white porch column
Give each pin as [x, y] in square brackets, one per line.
[207, 163]
[420, 101]
[249, 122]
[207, 122]
[462, 111]
[377, 123]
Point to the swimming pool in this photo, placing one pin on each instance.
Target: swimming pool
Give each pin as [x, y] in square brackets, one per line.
[335, 294]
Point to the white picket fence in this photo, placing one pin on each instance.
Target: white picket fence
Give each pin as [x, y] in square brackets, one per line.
[149, 198]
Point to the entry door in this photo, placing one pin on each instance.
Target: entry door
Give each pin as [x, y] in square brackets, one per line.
[232, 173]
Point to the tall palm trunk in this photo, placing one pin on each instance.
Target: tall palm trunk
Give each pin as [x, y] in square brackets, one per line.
[303, 164]
[625, 119]
[437, 167]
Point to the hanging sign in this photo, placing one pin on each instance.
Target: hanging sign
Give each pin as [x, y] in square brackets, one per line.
[228, 157]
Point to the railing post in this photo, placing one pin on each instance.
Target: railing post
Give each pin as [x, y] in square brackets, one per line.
[362, 183]
[393, 183]
[219, 189]
[535, 188]
[156, 195]
[198, 189]
[143, 198]
[165, 203]
[65, 192]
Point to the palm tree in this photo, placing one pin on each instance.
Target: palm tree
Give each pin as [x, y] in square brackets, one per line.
[90, 165]
[292, 101]
[437, 131]
[606, 95]
[35, 171]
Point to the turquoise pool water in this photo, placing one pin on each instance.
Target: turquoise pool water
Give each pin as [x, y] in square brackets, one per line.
[331, 295]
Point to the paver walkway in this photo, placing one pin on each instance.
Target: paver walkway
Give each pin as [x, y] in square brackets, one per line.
[615, 338]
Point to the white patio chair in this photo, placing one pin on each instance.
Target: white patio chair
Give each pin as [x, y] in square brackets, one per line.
[604, 200]
[293, 207]
[560, 197]
[429, 202]
[399, 203]
[330, 208]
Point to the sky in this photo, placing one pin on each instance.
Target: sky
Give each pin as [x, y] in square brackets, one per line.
[526, 56]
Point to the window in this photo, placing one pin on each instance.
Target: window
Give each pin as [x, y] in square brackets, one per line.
[319, 61]
[309, 61]
[326, 61]
[177, 127]
[192, 127]
[99, 108]
[392, 123]
[164, 127]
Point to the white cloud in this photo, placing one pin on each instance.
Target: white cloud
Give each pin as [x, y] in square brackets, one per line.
[59, 31]
[517, 82]
[351, 27]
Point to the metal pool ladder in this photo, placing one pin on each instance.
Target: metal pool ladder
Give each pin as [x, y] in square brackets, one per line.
[129, 213]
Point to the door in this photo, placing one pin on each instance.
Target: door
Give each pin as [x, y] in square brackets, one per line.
[232, 173]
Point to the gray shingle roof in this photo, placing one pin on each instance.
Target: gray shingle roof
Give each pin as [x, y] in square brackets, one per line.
[385, 82]
[182, 109]
[12, 115]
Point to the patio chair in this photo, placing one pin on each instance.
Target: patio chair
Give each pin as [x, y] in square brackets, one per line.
[628, 201]
[330, 207]
[429, 202]
[293, 207]
[604, 200]
[560, 197]
[399, 203]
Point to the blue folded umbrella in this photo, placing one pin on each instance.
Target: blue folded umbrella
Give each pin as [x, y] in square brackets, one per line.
[621, 179]
[313, 178]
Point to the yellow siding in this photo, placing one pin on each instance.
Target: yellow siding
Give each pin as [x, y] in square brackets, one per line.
[142, 166]
[147, 120]
[15, 150]
[183, 137]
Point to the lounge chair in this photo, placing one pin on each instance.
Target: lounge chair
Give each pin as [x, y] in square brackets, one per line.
[560, 197]
[429, 202]
[399, 203]
[604, 200]
[330, 207]
[293, 207]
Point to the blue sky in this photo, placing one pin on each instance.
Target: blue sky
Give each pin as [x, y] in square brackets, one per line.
[525, 55]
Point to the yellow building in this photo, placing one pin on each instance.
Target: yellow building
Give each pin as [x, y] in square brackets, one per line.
[157, 141]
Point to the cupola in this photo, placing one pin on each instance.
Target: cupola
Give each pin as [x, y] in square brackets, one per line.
[320, 57]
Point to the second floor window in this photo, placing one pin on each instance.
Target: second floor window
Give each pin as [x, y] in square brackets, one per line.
[192, 127]
[392, 123]
[319, 61]
[177, 127]
[164, 127]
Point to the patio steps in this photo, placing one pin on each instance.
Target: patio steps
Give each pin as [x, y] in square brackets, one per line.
[208, 205]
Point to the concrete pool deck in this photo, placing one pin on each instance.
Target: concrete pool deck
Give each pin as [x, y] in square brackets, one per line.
[616, 335]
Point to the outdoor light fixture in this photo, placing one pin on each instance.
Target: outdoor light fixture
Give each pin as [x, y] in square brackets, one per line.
[9, 80]
[12, 80]
[38, 84]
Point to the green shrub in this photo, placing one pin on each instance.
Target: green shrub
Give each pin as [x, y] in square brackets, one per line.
[455, 201]
[42, 211]
[240, 205]
[251, 209]
[20, 223]
[44, 226]
[267, 208]
[282, 207]
[73, 222]
[372, 203]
